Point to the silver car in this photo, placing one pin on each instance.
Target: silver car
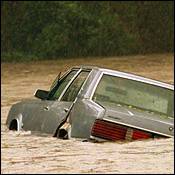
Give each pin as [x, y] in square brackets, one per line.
[101, 104]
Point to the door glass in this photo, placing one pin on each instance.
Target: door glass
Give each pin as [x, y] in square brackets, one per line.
[58, 89]
[55, 81]
[74, 88]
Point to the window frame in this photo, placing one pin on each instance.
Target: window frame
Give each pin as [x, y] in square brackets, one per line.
[72, 80]
[82, 70]
[120, 76]
[62, 78]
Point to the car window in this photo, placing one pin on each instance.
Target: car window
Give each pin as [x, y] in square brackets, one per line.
[74, 88]
[134, 94]
[58, 89]
[55, 81]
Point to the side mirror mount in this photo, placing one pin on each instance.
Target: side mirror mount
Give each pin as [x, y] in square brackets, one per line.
[41, 94]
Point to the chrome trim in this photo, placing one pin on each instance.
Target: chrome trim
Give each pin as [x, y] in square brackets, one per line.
[18, 124]
[84, 81]
[82, 86]
[137, 127]
[100, 106]
[138, 78]
[19, 121]
[70, 82]
[73, 78]
[63, 76]
[67, 72]
[126, 77]
[95, 86]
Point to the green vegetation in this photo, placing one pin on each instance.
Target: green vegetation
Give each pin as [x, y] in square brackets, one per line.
[63, 29]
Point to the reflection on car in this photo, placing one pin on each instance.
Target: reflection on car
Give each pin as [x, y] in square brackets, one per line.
[100, 104]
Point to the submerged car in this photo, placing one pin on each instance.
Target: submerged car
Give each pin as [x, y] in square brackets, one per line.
[96, 103]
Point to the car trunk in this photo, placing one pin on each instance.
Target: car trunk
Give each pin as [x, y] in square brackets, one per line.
[120, 123]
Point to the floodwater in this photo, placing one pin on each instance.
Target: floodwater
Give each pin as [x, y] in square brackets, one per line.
[23, 152]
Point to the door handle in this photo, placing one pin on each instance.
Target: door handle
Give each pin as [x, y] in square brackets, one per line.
[66, 109]
[46, 108]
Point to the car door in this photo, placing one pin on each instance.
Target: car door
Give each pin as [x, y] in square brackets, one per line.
[50, 113]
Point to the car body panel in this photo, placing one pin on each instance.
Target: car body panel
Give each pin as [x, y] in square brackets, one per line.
[36, 117]
[82, 120]
[47, 115]
[139, 119]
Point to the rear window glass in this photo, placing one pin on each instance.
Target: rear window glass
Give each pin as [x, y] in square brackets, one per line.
[131, 93]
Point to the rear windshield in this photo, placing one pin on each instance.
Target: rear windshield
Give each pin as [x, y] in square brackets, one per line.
[133, 94]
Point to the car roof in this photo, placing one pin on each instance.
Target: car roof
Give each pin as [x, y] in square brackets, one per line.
[126, 75]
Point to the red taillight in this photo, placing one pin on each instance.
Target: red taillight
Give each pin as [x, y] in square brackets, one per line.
[108, 130]
[140, 135]
[113, 131]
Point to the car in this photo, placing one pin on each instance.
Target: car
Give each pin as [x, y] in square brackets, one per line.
[98, 104]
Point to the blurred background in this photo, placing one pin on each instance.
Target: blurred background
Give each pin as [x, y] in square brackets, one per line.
[37, 30]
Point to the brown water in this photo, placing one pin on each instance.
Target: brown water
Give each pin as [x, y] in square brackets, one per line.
[23, 152]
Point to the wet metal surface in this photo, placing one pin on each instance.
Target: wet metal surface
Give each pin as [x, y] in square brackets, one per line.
[23, 152]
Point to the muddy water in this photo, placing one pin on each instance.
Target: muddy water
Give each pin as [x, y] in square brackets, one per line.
[23, 152]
